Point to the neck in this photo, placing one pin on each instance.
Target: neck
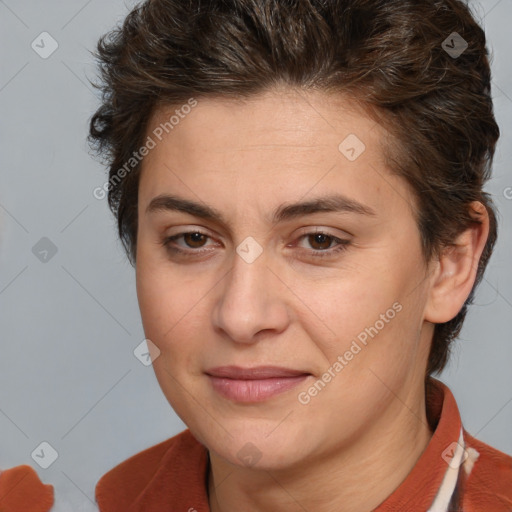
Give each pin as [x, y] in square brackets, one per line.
[354, 478]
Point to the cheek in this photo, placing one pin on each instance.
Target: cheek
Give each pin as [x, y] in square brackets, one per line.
[152, 296]
[378, 305]
[160, 305]
[346, 305]
[171, 309]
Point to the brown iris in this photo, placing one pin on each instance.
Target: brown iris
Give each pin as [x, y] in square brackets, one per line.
[194, 239]
[320, 238]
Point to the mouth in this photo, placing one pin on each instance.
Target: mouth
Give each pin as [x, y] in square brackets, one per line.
[254, 384]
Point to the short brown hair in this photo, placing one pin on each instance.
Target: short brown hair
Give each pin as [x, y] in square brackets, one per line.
[391, 56]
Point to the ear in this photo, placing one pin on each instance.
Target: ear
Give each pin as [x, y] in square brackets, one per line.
[455, 272]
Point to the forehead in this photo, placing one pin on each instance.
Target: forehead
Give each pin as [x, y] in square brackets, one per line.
[295, 116]
[281, 142]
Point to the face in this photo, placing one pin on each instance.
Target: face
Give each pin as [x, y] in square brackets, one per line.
[334, 290]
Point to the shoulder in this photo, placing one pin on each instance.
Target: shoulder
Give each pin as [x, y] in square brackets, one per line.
[490, 476]
[21, 489]
[123, 485]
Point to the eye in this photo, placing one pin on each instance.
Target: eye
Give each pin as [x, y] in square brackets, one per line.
[322, 243]
[192, 239]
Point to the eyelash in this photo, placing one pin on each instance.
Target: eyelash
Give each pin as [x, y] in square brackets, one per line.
[341, 244]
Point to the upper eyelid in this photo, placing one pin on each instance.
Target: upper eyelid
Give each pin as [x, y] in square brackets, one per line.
[306, 230]
[304, 233]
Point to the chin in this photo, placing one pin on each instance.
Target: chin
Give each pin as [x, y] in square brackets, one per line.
[251, 446]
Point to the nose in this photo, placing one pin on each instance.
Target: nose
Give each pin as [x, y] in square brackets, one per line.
[251, 301]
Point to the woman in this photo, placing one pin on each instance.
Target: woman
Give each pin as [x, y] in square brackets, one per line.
[299, 185]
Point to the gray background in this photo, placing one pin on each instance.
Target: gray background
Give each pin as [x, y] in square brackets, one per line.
[69, 326]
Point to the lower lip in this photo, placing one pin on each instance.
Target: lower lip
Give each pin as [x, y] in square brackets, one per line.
[254, 390]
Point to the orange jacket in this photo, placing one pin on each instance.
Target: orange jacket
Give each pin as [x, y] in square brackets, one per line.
[172, 475]
[22, 491]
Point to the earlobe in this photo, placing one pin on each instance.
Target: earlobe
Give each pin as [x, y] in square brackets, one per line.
[457, 268]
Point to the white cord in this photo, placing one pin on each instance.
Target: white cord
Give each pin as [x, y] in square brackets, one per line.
[445, 492]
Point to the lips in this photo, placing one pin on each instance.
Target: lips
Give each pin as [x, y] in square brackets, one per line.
[253, 384]
[258, 372]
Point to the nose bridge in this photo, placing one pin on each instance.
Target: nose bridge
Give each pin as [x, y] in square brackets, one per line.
[250, 300]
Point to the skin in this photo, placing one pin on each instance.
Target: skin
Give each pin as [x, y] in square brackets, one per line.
[358, 438]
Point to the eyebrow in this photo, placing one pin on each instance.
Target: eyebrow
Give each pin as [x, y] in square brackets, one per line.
[330, 203]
